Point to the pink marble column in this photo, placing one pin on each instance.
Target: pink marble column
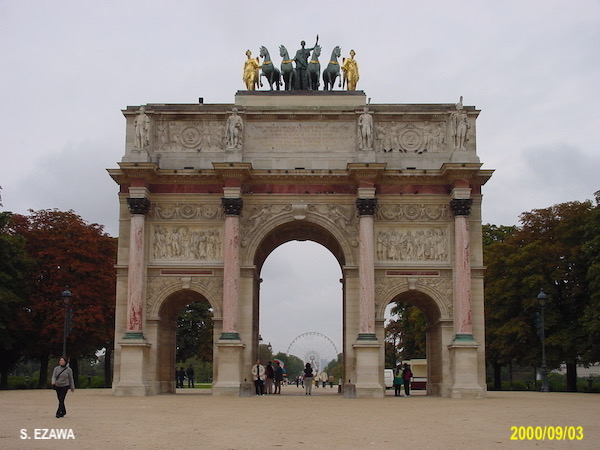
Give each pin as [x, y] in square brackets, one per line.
[231, 267]
[135, 276]
[366, 269]
[461, 208]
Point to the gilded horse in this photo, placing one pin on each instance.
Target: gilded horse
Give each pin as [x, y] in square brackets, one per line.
[333, 70]
[269, 71]
[287, 69]
[314, 69]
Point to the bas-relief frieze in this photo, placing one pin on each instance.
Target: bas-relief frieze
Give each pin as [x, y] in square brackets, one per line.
[412, 212]
[418, 244]
[343, 217]
[157, 287]
[191, 136]
[186, 243]
[187, 211]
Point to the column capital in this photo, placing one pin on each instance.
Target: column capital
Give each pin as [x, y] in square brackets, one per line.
[232, 206]
[138, 205]
[461, 206]
[366, 206]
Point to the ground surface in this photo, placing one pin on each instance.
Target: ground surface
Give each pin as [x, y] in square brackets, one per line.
[195, 419]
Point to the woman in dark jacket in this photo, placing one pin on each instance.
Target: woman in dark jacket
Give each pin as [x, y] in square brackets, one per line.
[62, 381]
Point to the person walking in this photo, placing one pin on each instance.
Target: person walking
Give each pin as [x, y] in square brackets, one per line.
[308, 377]
[62, 381]
[180, 377]
[406, 376]
[258, 375]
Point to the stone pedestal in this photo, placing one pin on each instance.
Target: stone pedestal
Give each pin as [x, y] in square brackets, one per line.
[463, 369]
[228, 367]
[134, 359]
[368, 384]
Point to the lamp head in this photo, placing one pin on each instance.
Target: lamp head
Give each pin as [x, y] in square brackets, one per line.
[542, 298]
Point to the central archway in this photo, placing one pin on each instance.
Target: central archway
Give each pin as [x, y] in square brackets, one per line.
[302, 232]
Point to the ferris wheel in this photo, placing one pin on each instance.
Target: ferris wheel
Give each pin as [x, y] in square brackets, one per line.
[314, 348]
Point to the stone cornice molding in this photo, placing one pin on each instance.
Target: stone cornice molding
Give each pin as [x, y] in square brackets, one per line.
[239, 171]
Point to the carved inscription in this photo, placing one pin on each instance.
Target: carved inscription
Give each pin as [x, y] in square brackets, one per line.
[290, 137]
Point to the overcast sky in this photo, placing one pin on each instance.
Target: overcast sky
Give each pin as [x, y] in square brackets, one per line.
[69, 67]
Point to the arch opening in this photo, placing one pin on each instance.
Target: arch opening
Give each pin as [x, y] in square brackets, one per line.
[300, 292]
[186, 331]
[412, 329]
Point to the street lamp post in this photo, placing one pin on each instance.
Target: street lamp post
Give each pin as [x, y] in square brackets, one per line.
[260, 339]
[542, 297]
[66, 299]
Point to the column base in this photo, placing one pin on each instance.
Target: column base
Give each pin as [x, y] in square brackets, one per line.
[229, 367]
[368, 379]
[134, 360]
[464, 368]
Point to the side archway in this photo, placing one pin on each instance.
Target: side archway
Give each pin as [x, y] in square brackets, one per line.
[162, 327]
[433, 311]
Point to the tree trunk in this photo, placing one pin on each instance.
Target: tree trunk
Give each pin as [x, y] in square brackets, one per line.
[43, 379]
[571, 377]
[107, 368]
[497, 376]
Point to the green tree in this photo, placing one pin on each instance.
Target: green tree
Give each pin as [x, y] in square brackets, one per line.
[293, 365]
[195, 332]
[14, 265]
[591, 314]
[67, 251]
[406, 332]
[547, 251]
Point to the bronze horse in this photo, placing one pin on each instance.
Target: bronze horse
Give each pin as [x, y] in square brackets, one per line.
[287, 70]
[314, 69]
[332, 71]
[269, 71]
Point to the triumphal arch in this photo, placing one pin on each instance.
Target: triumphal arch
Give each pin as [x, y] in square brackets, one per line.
[207, 191]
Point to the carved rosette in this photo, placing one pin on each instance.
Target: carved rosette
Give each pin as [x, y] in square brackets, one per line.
[366, 206]
[461, 206]
[232, 206]
[138, 205]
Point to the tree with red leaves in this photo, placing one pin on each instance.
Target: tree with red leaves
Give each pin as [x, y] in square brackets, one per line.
[67, 252]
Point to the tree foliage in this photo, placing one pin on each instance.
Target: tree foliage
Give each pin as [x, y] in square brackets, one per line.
[195, 332]
[405, 334]
[66, 252]
[14, 265]
[553, 249]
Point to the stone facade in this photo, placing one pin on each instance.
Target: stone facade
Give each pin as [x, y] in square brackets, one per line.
[208, 191]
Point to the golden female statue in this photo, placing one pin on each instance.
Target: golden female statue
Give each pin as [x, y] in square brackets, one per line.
[251, 67]
[350, 68]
